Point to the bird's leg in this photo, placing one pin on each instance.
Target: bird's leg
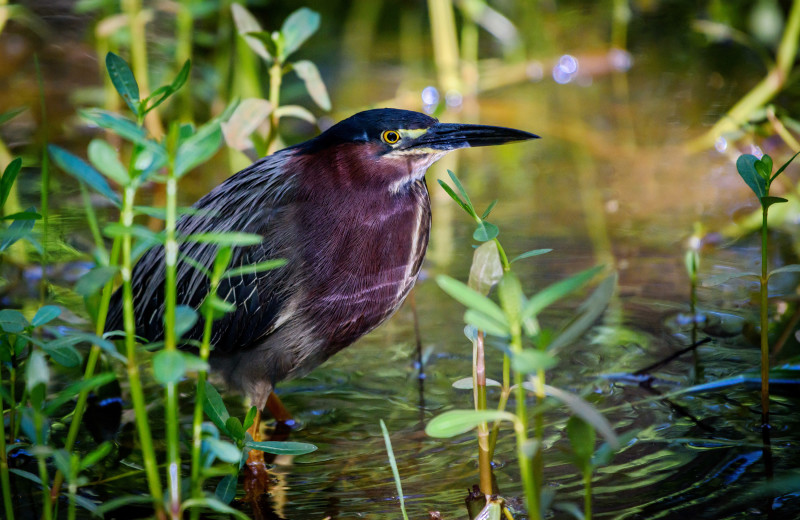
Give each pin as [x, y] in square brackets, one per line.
[256, 457]
[277, 409]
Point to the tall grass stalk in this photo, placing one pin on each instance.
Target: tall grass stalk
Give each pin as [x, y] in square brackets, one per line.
[91, 362]
[764, 317]
[183, 52]
[45, 181]
[170, 340]
[41, 457]
[134, 378]
[200, 396]
[395, 473]
[136, 26]
[5, 481]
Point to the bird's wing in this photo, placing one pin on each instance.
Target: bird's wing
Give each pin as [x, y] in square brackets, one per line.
[252, 201]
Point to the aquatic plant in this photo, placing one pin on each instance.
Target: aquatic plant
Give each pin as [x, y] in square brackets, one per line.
[514, 320]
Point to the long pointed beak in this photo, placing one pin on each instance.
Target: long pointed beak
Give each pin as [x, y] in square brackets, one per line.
[450, 136]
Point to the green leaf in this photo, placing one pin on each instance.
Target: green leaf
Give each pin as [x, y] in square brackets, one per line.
[582, 438]
[528, 254]
[214, 408]
[194, 363]
[558, 290]
[395, 473]
[485, 231]
[18, 230]
[125, 500]
[94, 280]
[745, 165]
[787, 163]
[36, 371]
[586, 314]
[80, 169]
[103, 156]
[246, 24]
[719, 279]
[222, 238]
[11, 114]
[529, 361]
[455, 197]
[7, 181]
[223, 450]
[235, 428]
[466, 383]
[226, 489]
[281, 448]
[791, 268]
[769, 201]
[69, 393]
[259, 267]
[250, 418]
[161, 94]
[222, 261]
[471, 298]
[489, 209]
[45, 315]
[509, 291]
[96, 455]
[486, 269]
[122, 78]
[185, 318]
[456, 422]
[587, 412]
[486, 323]
[297, 28]
[23, 215]
[463, 192]
[63, 352]
[295, 111]
[245, 120]
[212, 503]
[12, 321]
[151, 158]
[168, 366]
[309, 73]
[198, 148]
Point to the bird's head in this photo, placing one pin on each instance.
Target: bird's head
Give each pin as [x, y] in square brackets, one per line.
[393, 148]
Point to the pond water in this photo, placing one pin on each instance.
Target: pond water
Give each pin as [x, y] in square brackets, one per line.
[610, 182]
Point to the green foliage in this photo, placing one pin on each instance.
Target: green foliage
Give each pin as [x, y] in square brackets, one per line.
[395, 473]
[457, 422]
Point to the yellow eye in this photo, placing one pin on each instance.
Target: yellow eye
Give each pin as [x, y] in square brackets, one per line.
[390, 136]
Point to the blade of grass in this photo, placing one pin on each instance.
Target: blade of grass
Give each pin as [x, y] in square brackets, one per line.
[395, 472]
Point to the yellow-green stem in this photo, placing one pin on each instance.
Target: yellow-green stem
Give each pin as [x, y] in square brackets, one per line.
[47, 506]
[275, 78]
[91, 364]
[764, 322]
[5, 481]
[137, 393]
[525, 466]
[45, 180]
[587, 493]
[183, 52]
[200, 393]
[170, 344]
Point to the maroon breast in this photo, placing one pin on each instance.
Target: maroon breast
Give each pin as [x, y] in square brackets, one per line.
[362, 261]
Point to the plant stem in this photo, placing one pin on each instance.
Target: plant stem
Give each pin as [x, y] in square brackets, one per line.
[47, 506]
[136, 26]
[137, 393]
[45, 181]
[765, 90]
[479, 383]
[764, 321]
[530, 485]
[170, 340]
[587, 493]
[5, 481]
[275, 79]
[183, 52]
[200, 396]
[91, 364]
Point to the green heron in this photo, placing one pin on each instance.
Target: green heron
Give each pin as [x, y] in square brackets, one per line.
[350, 212]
